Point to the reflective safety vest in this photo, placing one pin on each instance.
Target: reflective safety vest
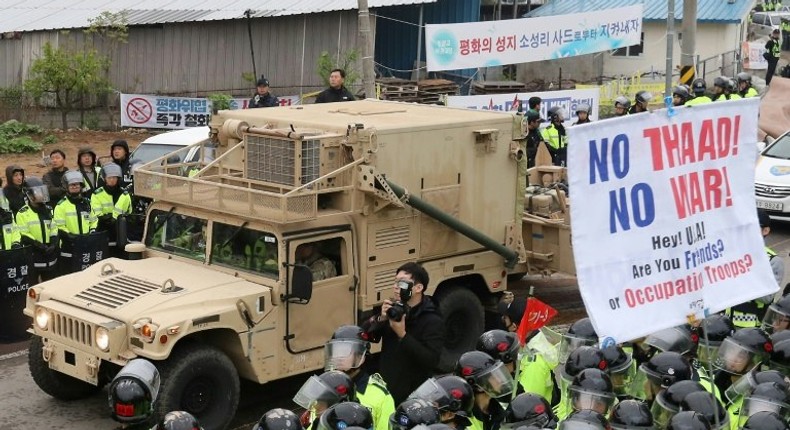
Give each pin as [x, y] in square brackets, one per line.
[776, 49]
[748, 314]
[11, 236]
[68, 218]
[536, 369]
[698, 101]
[552, 137]
[378, 400]
[31, 225]
[734, 410]
[102, 204]
[750, 92]
[4, 201]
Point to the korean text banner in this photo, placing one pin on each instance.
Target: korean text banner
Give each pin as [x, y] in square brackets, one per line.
[753, 55]
[569, 100]
[494, 43]
[663, 217]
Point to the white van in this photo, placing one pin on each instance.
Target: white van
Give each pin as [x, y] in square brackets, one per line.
[165, 143]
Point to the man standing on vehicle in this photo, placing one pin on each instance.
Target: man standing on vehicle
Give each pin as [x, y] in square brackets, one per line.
[263, 98]
[771, 55]
[336, 92]
[411, 331]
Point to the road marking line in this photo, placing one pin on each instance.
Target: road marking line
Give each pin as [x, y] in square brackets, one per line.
[13, 355]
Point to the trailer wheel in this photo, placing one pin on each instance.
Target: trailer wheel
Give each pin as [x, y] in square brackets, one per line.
[201, 380]
[52, 382]
[464, 321]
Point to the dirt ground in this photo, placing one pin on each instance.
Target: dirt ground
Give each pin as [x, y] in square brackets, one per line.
[70, 142]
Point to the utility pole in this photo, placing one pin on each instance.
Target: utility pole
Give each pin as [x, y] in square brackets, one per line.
[670, 46]
[365, 37]
[688, 44]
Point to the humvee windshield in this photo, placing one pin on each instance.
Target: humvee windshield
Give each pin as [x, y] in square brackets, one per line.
[243, 248]
[178, 234]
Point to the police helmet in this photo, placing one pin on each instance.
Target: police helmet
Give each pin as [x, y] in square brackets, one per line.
[620, 369]
[556, 113]
[344, 415]
[667, 402]
[711, 333]
[689, 420]
[765, 421]
[72, 177]
[499, 344]
[777, 317]
[485, 374]
[752, 343]
[579, 333]
[412, 412]
[744, 77]
[780, 336]
[623, 102]
[529, 409]
[643, 97]
[342, 384]
[329, 388]
[631, 414]
[584, 107]
[720, 81]
[35, 190]
[178, 420]
[710, 407]
[592, 389]
[133, 391]
[583, 357]
[699, 86]
[111, 170]
[449, 393]
[675, 339]
[780, 357]
[732, 86]
[585, 420]
[278, 419]
[347, 348]
[682, 92]
[768, 396]
[666, 368]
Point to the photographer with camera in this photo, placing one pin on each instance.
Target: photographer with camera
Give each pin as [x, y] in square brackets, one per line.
[411, 331]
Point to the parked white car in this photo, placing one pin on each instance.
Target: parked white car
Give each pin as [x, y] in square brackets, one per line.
[772, 178]
[165, 143]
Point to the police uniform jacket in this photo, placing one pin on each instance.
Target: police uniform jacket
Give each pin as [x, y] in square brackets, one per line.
[372, 393]
[74, 216]
[406, 363]
[104, 202]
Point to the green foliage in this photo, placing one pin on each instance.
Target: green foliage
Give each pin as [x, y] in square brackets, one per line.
[15, 138]
[111, 26]
[49, 139]
[249, 77]
[220, 101]
[12, 97]
[348, 62]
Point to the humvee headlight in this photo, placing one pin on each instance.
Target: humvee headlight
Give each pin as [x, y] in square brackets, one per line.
[42, 318]
[103, 338]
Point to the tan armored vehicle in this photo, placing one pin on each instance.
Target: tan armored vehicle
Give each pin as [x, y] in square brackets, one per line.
[292, 226]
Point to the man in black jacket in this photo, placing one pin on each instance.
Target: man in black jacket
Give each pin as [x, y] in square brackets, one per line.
[13, 189]
[336, 91]
[119, 151]
[54, 178]
[411, 343]
[263, 98]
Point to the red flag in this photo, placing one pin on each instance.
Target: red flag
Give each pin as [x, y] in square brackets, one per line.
[535, 316]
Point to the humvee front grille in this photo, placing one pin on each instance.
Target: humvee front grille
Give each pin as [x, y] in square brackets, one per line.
[117, 291]
[72, 329]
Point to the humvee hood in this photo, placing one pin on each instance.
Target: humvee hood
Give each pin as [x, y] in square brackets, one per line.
[136, 287]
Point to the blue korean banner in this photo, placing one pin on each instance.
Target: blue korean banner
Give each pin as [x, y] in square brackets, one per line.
[494, 43]
[664, 218]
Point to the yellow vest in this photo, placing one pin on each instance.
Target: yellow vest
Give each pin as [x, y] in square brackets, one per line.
[30, 225]
[67, 219]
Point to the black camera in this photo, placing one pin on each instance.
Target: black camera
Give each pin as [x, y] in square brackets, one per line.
[397, 311]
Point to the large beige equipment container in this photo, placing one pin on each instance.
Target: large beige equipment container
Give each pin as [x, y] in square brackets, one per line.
[369, 185]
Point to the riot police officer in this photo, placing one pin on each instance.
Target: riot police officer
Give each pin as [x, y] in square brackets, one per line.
[278, 419]
[321, 392]
[490, 381]
[528, 409]
[344, 416]
[745, 88]
[73, 214]
[689, 420]
[133, 392]
[641, 101]
[777, 317]
[555, 137]
[585, 420]
[583, 357]
[178, 420]
[413, 412]
[591, 389]
[346, 351]
[707, 404]
[680, 95]
[667, 401]
[711, 333]
[621, 106]
[719, 86]
[34, 221]
[746, 349]
[780, 357]
[768, 396]
[580, 333]
[631, 414]
[583, 112]
[452, 395]
[109, 202]
[698, 86]
[621, 370]
[765, 421]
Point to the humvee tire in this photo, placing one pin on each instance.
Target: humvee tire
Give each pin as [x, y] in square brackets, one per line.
[201, 380]
[464, 321]
[54, 383]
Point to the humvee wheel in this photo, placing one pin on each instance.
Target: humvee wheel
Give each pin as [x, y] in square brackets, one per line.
[201, 380]
[52, 382]
[464, 321]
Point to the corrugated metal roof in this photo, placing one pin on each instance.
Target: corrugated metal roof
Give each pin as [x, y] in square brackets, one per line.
[715, 11]
[31, 15]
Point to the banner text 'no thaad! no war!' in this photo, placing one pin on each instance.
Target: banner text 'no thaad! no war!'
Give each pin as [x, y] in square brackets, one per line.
[670, 199]
[495, 43]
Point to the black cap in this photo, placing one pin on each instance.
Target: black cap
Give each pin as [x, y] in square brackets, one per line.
[262, 82]
[533, 116]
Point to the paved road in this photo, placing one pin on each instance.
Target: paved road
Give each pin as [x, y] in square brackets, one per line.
[25, 406]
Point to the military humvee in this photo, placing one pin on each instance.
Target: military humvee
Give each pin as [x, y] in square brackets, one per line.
[219, 290]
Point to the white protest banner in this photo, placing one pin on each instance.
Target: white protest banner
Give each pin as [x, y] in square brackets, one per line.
[753, 55]
[164, 112]
[148, 111]
[569, 100]
[513, 41]
[663, 217]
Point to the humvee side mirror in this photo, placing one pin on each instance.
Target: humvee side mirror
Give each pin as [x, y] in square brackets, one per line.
[301, 285]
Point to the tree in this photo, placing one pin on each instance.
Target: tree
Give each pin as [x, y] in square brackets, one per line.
[347, 63]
